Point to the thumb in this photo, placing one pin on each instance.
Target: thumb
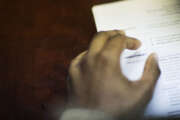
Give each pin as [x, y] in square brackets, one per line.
[151, 72]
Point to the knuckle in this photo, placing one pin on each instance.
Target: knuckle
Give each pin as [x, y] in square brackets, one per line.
[104, 58]
[101, 33]
[84, 65]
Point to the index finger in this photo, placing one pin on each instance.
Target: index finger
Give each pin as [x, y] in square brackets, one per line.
[116, 45]
[100, 40]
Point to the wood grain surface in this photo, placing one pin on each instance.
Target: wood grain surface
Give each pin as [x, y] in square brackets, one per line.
[38, 39]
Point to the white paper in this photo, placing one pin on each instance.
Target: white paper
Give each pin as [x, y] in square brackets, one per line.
[156, 23]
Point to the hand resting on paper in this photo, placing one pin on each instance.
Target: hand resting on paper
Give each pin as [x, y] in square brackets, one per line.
[97, 82]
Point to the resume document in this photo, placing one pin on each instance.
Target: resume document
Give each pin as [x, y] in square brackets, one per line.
[156, 23]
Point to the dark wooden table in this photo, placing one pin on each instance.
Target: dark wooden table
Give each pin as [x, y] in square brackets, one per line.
[38, 39]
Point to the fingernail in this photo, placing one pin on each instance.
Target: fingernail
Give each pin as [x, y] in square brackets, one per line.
[121, 32]
[155, 56]
[139, 43]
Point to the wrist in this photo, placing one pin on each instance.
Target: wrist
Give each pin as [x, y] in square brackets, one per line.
[85, 114]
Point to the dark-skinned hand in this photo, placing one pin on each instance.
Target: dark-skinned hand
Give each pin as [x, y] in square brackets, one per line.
[97, 81]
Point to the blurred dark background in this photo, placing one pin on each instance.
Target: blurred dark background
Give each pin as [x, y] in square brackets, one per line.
[38, 39]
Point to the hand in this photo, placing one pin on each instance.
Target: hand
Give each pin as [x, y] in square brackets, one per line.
[98, 82]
